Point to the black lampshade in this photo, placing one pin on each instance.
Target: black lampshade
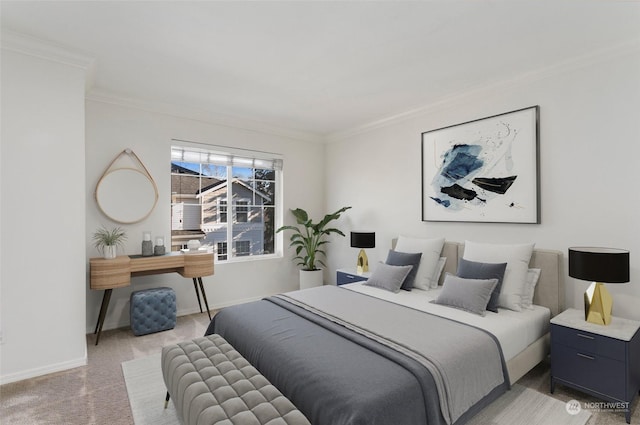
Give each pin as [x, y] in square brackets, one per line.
[363, 239]
[606, 265]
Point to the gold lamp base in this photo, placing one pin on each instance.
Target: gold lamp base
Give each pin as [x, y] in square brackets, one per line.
[363, 263]
[597, 304]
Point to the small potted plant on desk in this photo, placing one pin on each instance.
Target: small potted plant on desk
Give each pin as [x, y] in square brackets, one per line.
[107, 241]
[308, 239]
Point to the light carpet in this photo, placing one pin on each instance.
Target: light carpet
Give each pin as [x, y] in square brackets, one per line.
[520, 405]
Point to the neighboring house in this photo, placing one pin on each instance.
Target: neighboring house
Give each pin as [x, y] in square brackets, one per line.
[246, 215]
[185, 207]
[203, 214]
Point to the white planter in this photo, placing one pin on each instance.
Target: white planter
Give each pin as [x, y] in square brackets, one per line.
[310, 278]
[110, 252]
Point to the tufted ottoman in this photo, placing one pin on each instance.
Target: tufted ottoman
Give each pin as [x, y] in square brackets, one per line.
[211, 383]
[152, 310]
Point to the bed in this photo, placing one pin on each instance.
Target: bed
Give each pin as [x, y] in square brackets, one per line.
[361, 355]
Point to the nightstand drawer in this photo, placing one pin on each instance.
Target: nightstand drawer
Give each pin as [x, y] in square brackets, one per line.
[589, 370]
[589, 342]
[342, 278]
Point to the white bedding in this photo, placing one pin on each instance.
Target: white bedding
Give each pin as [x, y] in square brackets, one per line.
[515, 330]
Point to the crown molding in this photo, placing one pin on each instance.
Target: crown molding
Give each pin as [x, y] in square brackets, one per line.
[594, 57]
[178, 111]
[33, 46]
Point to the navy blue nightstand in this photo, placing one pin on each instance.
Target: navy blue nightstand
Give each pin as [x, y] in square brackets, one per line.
[344, 276]
[603, 361]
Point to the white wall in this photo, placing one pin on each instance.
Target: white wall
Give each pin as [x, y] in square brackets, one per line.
[590, 169]
[43, 213]
[112, 128]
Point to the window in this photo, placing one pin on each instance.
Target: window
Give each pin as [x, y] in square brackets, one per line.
[222, 250]
[243, 248]
[242, 211]
[220, 195]
[222, 210]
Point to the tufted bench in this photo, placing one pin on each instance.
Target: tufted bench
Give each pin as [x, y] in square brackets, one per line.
[152, 310]
[211, 383]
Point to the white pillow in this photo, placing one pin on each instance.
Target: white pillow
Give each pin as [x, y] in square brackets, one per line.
[435, 279]
[430, 249]
[516, 256]
[529, 288]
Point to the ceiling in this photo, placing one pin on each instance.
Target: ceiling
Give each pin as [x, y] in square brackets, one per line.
[319, 67]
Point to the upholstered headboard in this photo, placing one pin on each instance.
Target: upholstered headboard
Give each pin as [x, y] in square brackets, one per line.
[550, 289]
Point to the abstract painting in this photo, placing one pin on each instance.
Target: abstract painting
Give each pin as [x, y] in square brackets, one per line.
[484, 170]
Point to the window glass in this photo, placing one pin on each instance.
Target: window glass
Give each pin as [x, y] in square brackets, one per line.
[222, 211]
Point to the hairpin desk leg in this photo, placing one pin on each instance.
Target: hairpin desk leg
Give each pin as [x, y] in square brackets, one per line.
[103, 312]
[204, 296]
[195, 286]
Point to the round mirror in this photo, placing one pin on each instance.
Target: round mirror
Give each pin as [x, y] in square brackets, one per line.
[126, 195]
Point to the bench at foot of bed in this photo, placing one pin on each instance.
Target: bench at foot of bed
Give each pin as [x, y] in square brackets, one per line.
[211, 383]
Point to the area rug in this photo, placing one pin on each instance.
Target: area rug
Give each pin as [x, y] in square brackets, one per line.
[520, 405]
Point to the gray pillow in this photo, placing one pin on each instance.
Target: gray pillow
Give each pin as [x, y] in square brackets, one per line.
[471, 295]
[475, 270]
[388, 277]
[396, 258]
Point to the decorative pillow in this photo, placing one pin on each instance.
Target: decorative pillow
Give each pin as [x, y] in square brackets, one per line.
[474, 270]
[435, 279]
[529, 288]
[517, 257]
[396, 258]
[388, 277]
[471, 295]
[430, 249]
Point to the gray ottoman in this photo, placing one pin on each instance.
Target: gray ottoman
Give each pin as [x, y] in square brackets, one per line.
[211, 383]
[152, 310]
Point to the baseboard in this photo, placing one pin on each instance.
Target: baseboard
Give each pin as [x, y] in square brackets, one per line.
[44, 370]
[112, 324]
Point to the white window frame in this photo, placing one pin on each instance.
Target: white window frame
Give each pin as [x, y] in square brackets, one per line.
[247, 159]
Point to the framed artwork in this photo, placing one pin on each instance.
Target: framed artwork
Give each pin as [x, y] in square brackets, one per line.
[484, 170]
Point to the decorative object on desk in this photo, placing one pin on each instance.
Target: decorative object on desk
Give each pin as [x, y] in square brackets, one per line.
[193, 245]
[484, 170]
[126, 192]
[598, 265]
[159, 248]
[107, 241]
[147, 245]
[308, 240]
[363, 240]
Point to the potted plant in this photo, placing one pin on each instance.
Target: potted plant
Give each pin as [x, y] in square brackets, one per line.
[108, 240]
[308, 238]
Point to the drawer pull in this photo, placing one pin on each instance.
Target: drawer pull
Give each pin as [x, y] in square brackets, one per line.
[584, 356]
[585, 336]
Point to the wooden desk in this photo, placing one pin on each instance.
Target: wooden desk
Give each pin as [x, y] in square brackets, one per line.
[116, 273]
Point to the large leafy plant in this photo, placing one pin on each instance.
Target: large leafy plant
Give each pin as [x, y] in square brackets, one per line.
[308, 237]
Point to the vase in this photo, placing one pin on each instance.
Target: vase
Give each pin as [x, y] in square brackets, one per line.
[310, 278]
[110, 252]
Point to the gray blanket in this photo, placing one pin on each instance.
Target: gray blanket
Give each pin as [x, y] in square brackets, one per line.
[346, 371]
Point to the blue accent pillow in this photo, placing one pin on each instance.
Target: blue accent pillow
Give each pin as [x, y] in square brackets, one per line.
[475, 270]
[396, 258]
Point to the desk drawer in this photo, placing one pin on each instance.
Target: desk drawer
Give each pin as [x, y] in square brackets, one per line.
[589, 342]
[589, 370]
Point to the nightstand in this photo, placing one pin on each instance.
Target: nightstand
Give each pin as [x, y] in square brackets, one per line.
[344, 276]
[603, 361]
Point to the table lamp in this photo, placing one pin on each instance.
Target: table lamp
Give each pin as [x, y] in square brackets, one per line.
[598, 265]
[363, 240]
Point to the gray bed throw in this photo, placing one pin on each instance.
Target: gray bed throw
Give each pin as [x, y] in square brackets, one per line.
[346, 358]
[465, 368]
